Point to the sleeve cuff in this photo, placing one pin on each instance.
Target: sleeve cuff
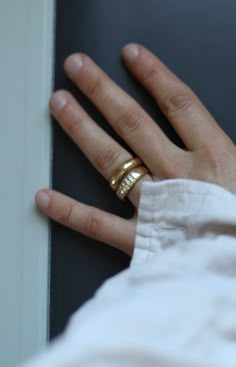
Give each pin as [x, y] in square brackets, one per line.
[180, 209]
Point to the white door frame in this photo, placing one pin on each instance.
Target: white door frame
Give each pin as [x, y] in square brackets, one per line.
[26, 79]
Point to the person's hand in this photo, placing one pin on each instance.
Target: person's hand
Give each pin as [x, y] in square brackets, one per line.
[210, 154]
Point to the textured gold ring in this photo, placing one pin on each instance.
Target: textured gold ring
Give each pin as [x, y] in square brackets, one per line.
[122, 170]
[130, 180]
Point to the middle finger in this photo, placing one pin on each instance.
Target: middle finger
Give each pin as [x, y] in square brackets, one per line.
[124, 114]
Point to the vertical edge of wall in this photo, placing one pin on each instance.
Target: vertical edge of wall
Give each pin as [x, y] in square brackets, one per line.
[26, 75]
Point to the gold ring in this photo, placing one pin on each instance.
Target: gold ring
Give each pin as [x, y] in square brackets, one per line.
[130, 180]
[123, 169]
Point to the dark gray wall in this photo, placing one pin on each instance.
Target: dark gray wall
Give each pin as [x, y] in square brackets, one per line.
[197, 40]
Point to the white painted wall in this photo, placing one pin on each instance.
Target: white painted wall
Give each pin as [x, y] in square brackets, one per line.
[26, 54]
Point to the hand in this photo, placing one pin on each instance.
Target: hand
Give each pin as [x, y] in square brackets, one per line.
[210, 154]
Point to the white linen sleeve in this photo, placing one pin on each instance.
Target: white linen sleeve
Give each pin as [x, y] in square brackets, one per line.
[177, 210]
[176, 303]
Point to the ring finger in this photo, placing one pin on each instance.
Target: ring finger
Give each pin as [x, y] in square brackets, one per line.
[103, 152]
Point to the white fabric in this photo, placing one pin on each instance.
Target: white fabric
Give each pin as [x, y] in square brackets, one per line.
[175, 306]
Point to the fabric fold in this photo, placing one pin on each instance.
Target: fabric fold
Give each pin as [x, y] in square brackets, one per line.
[178, 210]
[176, 303]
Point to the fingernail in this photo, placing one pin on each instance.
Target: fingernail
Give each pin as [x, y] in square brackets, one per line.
[131, 51]
[58, 101]
[42, 199]
[72, 64]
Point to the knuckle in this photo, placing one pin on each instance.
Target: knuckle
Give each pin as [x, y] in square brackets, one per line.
[93, 225]
[180, 167]
[210, 157]
[129, 122]
[94, 86]
[72, 123]
[178, 102]
[217, 160]
[67, 215]
[105, 158]
[174, 171]
[149, 74]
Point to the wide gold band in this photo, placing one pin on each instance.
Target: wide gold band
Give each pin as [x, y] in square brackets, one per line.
[130, 180]
[122, 170]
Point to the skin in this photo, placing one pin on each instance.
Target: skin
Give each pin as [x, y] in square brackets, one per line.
[211, 160]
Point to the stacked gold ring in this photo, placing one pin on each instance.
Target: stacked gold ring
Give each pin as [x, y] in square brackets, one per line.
[126, 176]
